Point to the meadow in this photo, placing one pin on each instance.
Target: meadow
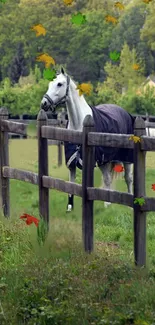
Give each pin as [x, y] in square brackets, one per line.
[58, 283]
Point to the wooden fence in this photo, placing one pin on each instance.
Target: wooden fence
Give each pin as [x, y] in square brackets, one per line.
[53, 122]
[88, 138]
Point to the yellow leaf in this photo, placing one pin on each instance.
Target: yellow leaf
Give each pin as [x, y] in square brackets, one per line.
[136, 66]
[48, 60]
[135, 138]
[111, 19]
[147, 1]
[68, 2]
[39, 29]
[84, 89]
[119, 5]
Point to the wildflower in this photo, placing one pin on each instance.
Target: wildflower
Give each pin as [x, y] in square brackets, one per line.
[118, 168]
[30, 219]
[153, 187]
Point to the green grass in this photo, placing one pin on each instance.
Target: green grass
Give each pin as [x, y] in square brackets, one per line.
[58, 283]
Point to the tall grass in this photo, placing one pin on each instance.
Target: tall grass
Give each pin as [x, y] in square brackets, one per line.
[58, 283]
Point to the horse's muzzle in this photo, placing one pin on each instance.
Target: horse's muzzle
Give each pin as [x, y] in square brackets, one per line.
[44, 106]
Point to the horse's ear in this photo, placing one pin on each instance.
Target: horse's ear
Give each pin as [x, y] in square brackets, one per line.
[62, 70]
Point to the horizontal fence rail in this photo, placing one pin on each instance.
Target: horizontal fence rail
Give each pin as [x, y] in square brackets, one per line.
[89, 139]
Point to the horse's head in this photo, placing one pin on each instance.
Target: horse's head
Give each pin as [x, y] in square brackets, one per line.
[57, 92]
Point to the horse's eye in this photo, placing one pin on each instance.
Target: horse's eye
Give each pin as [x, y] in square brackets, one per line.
[59, 84]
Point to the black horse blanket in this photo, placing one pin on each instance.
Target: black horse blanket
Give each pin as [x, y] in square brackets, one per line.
[108, 118]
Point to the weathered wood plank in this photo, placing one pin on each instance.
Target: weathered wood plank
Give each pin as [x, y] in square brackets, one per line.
[59, 153]
[60, 134]
[147, 143]
[110, 196]
[110, 140]
[14, 127]
[149, 204]
[4, 161]
[88, 163]
[62, 186]
[150, 125]
[43, 168]
[139, 191]
[21, 175]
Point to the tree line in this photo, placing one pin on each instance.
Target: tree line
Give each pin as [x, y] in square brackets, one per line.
[84, 50]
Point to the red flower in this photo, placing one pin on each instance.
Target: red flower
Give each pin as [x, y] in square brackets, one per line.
[30, 219]
[153, 187]
[118, 168]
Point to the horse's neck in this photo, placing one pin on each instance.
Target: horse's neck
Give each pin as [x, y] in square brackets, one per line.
[77, 108]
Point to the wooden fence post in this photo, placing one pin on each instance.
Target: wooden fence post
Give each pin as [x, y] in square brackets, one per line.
[43, 168]
[88, 163]
[59, 154]
[4, 161]
[139, 191]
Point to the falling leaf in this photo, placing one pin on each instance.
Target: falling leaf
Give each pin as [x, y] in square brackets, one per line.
[135, 138]
[68, 2]
[78, 19]
[114, 56]
[118, 168]
[119, 5]
[147, 1]
[48, 60]
[30, 219]
[139, 200]
[84, 89]
[153, 187]
[49, 74]
[111, 19]
[136, 66]
[39, 29]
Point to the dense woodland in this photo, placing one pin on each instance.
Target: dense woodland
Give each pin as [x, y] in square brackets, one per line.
[83, 50]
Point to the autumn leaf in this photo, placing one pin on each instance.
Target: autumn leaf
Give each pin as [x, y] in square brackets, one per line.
[153, 187]
[78, 19]
[119, 5]
[68, 2]
[111, 19]
[84, 89]
[114, 56]
[49, 74]
[118, 168]
[48, 60]
[30, 219]
[135, 138]
[39, 29]
[136, 66]
[147, 1]
[139, 200]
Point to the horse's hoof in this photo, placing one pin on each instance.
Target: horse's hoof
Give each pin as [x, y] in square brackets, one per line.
[106, 204]
[69, 208]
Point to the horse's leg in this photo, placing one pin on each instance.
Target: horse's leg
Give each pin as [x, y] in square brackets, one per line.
[107, 177]
[72, 176]
[128, 175]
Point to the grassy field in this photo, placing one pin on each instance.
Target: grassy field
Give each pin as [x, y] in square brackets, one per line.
[58, 283]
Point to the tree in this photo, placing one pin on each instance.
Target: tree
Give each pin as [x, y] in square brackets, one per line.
[18, 66]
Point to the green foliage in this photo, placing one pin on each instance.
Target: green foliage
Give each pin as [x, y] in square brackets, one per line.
[42, 231]
[138, 104]
[89, 50]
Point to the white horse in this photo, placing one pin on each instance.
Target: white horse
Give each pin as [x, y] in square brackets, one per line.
[62, 90]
